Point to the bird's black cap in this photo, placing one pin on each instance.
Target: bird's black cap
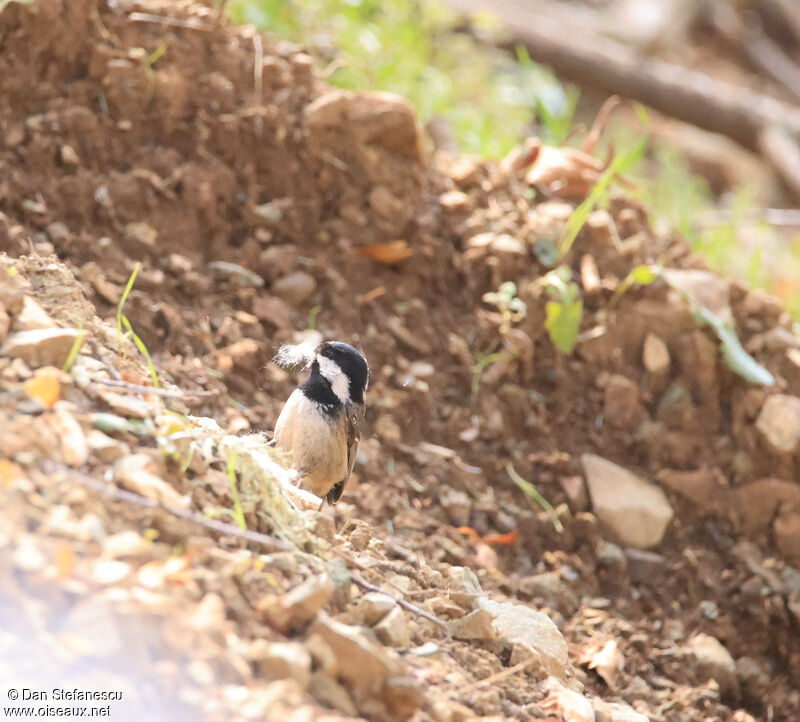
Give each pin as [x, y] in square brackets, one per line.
[352, 363]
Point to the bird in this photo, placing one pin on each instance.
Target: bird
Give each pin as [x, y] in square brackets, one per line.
[319, 426]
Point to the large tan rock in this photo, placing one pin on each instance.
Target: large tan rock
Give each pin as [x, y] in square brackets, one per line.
[524, 626]
[366, 665]
[41, 347]
[635, 511]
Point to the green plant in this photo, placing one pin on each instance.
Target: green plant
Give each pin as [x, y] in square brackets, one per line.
[563, 314]
[414, 49]
[599, 194]
[511, 310]
[73, 352]
[122, 320]
[532, 492]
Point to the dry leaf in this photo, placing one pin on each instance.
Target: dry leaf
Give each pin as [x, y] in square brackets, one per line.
[372, 294]
[605, 659]
[468, 531]
[64, 560]
[10, 472]
[391, 252]
[44, 387]
[502, 539]
[567, 705]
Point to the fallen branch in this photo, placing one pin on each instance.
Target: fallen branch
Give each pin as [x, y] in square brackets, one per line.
[688, 95]
[141, 389]
[413, 608]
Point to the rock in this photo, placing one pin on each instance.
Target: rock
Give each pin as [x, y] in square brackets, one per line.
[779, 422]
[710, 660]
[457, 505]
[141, 233]
[393, 630]
[373, 607]
[330, 693]
[302, 603]
[104, 448]
[464, 585]
[41, 347]
[281, 660]
[706, 487]
[575, 489]
[208, 615]
[109, 571]
[622, 407]
[519, 624]
[403, 697]
[704, 286]
[32, 316]
[131, 473]
[636, 511]
[478, 624]
[757, 502]
[455, 201]
[12, 290]
[655, 355]
[295, 288]
[365, 665]
[465, 170]
[72, 440]
[616, 712]
[379, 119]
[787, 534]
[386, 204]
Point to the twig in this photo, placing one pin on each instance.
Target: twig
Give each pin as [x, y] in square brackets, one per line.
[267, 542]
[140, 389]
[98, 351]
[164, 20]
[491, 679]
[402, 602]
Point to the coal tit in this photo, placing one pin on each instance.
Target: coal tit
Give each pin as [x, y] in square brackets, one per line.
[319, 426]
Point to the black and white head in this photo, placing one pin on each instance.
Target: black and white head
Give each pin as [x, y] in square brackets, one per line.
[339, 372]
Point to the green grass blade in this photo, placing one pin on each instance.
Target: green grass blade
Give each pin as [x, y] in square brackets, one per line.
[531, 491]
[124, 298]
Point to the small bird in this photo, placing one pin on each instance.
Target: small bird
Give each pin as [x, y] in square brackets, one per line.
[319, 426]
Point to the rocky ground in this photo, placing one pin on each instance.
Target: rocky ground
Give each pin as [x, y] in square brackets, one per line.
[260, 204]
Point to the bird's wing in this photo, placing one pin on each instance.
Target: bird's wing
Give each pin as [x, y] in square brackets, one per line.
[354, 416]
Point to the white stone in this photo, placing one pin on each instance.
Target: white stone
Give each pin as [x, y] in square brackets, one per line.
[636, 511]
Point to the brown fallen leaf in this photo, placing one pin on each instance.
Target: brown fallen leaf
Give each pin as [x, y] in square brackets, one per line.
[391, 252]
[604, 658]
[44, 386]
[372, 294]
[508, 539]
[565, 704]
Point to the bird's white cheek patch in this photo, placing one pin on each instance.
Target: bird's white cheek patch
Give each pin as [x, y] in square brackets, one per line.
[337, 378]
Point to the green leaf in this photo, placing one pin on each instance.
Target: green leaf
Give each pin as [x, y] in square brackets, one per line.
[531, 491]
[563, 320]
[576, 221]
[546, 252]
[643, 275]
[738, 360]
